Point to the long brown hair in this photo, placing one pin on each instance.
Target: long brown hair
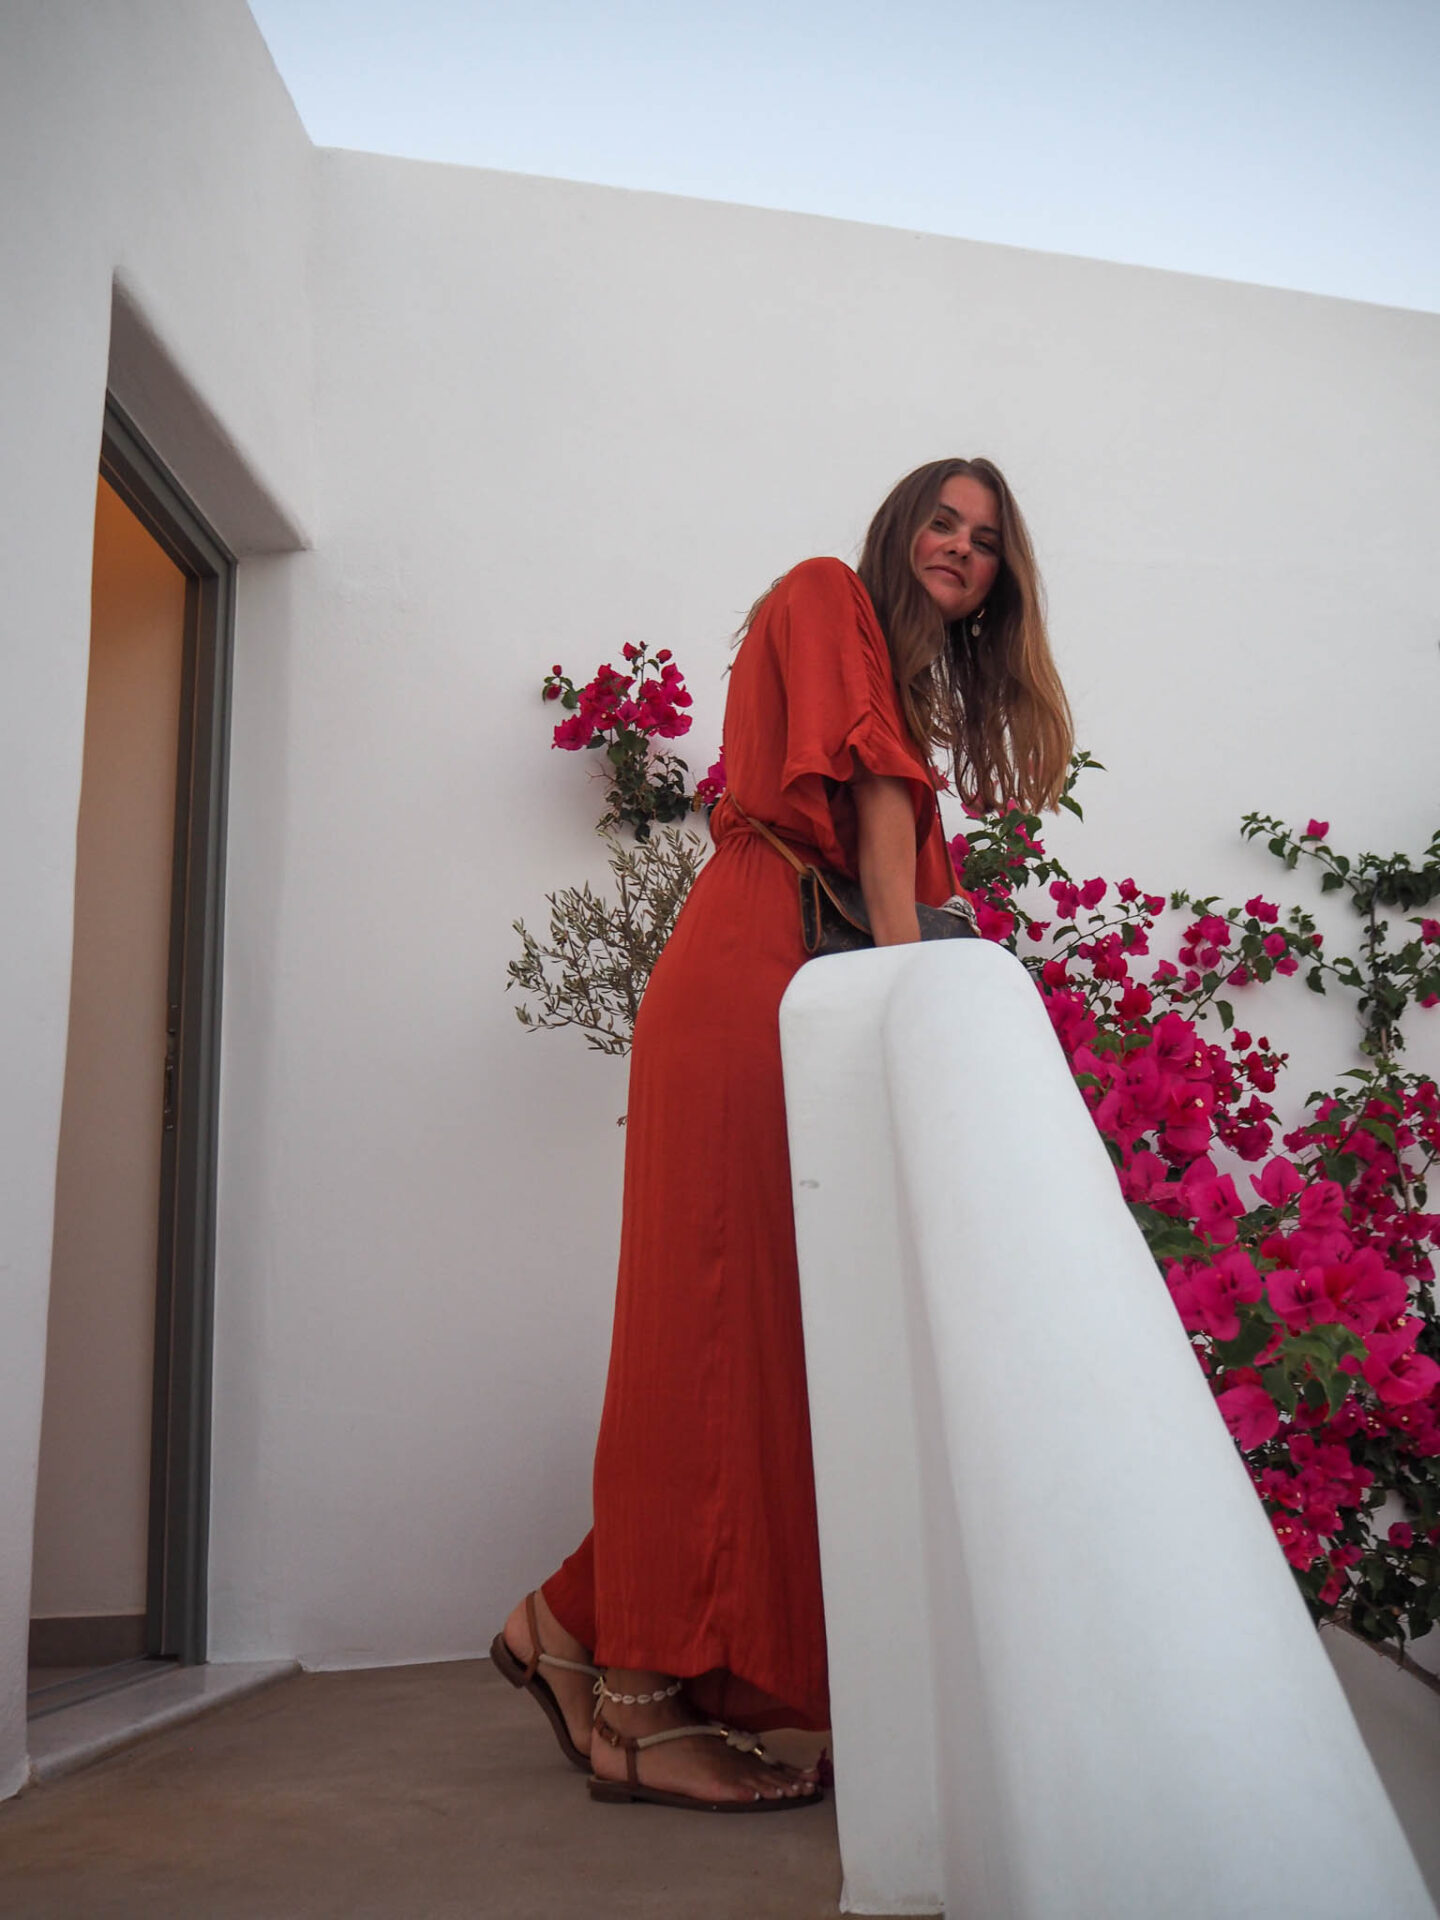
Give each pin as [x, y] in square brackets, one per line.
[992, 703]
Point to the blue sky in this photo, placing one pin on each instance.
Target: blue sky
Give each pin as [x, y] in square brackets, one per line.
[1291, 142]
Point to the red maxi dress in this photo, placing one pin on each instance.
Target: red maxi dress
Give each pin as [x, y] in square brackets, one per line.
[704, 1561]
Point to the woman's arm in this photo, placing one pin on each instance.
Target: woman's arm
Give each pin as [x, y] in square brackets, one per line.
[887, 857]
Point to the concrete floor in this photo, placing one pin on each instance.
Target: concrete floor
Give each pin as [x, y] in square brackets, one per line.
[422, 1792]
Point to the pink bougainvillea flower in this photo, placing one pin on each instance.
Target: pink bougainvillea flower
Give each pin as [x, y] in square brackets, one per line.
[1212, 1201]
[1430, 932]
[1093, 1066]
[709, 790]
[1248, 1132]
[992, 922]
[1316, 830]
[1241, 1273]
[1300, 1297]
[1299, 1543]
[1175, 1040]
[1259, 1072]
[1107, 957]
[1262, 910]
[1321, 1235]
[1136, 1096]
[1396, 1372]
[959, 851]
[1250, 1413]
[1213, 1305]
[1220, 1289]
[1278, 1183]
[1092, 893]
[1069, 1016]
[1187, 1131]
[577, 731]
[1182, 1293]
[1066, 897]
[1365, 1291]
[1204, 941]
[1143, 1176]
[1402, 1534]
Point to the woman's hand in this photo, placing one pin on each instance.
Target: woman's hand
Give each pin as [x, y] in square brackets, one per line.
[887, 857]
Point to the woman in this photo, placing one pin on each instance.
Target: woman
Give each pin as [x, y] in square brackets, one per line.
[698, 1592]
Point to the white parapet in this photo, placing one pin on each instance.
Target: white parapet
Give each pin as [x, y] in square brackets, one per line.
[1071, 1675]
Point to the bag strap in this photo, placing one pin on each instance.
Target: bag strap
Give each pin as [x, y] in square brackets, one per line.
[813, 878]
[767, 833]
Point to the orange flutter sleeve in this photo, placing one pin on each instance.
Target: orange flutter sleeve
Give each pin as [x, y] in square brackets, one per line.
[842, 713]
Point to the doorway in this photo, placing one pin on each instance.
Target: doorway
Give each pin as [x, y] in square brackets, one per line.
[121, 1528]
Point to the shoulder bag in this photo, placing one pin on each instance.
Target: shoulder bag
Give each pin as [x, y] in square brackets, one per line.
[833, 914]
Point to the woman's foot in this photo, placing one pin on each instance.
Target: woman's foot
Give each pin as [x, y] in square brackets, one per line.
[703, 1768]
[574, 1692]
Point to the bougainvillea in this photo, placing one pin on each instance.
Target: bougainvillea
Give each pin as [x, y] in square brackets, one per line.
[1299, 1260]
[623, 714]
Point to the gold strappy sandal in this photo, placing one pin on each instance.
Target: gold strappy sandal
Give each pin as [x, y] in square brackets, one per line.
[522, 1673]
[618, 1792]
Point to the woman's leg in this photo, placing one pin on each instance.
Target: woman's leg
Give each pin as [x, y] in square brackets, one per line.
[570, 1593]
[564, 1612]
[701, 1768]
[704, 1767]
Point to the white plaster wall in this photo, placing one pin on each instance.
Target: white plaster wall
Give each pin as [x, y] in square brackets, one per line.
[551, 417]
[152, 142]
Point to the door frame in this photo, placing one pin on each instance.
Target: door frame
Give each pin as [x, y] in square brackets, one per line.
[179, 1521]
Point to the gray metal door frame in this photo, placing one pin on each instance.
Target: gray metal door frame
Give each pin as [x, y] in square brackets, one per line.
[179, 1525]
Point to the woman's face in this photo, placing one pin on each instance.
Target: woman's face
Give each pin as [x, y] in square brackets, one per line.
[956, 554]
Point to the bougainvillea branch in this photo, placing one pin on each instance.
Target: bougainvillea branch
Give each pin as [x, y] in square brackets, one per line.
[1387, 979]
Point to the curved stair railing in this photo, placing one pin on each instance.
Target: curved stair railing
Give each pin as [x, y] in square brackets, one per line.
[1072, 1678]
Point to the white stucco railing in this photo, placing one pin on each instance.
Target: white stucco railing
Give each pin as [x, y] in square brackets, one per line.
[1071, 1675]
